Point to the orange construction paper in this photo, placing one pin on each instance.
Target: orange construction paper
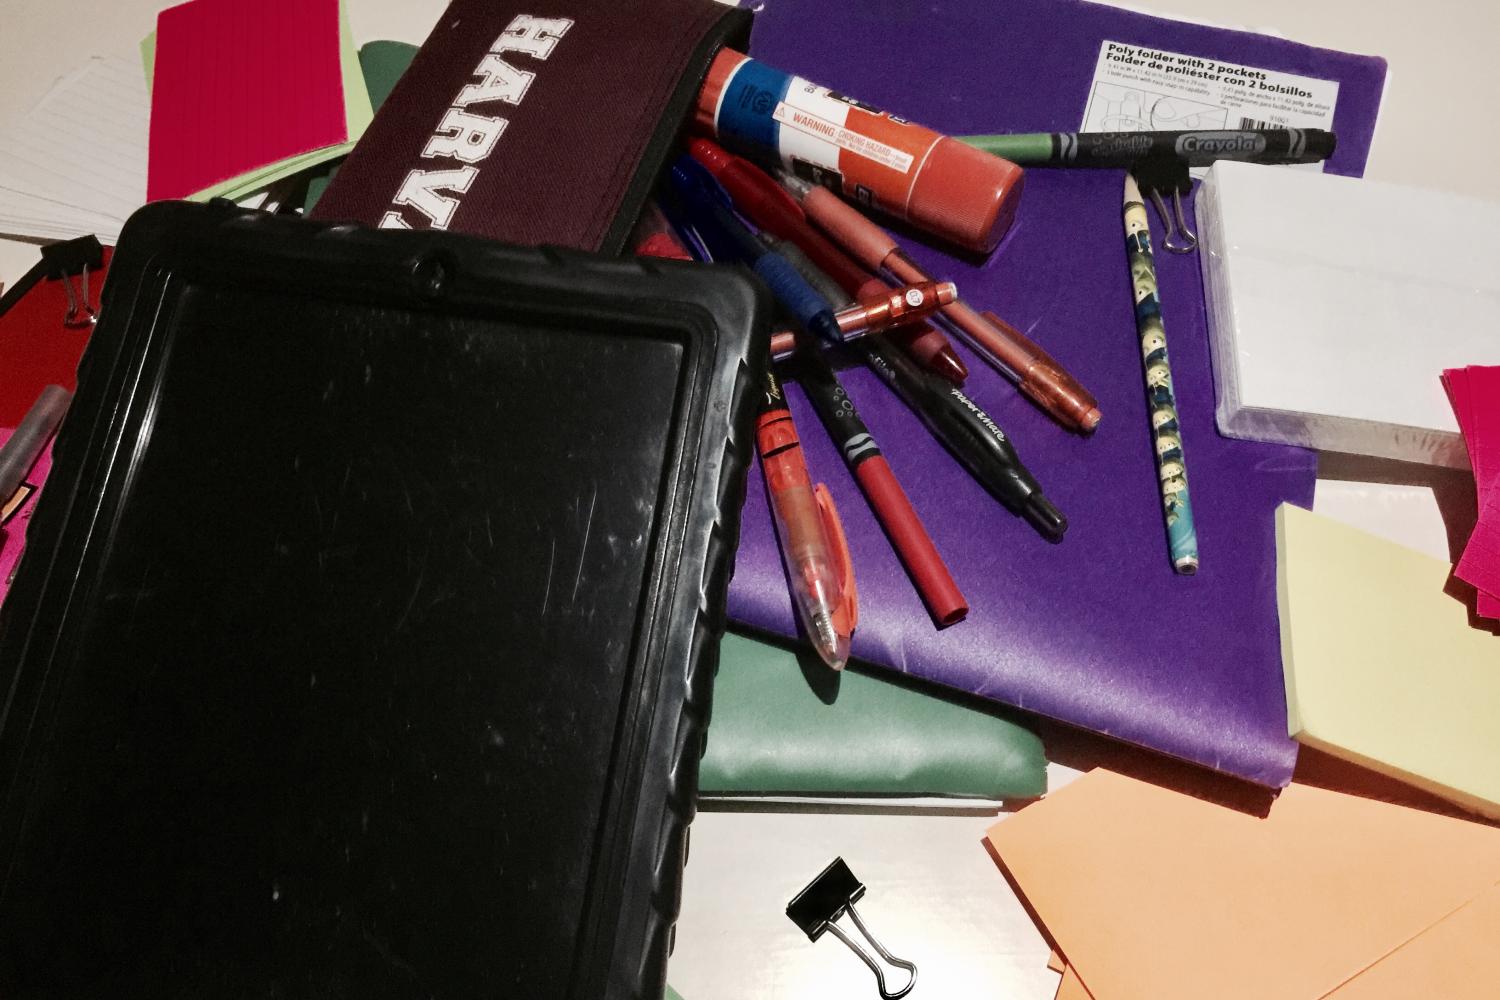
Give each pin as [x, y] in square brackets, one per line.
[1454, 960]
[1071, 987]
[1448, 960]
[1153, 894]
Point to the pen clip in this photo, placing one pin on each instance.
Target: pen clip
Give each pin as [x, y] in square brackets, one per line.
[833, 529]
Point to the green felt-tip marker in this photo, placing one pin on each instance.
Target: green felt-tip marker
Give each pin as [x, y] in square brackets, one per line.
[1122, 149]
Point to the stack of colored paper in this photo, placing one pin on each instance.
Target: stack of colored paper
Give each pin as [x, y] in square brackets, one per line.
[247, 92]
[1153, 894]
[1268, 304]
[1475, 394]
[1382, 667]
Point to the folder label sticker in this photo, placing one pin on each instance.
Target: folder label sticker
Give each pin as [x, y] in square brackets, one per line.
[1141, 89]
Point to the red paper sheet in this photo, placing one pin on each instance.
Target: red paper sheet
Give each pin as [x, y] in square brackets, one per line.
[240, 84]
[36, 349]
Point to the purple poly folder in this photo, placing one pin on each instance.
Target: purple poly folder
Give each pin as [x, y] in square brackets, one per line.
[1098, 631]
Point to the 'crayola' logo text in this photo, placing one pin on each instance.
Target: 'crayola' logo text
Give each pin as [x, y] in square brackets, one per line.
[1220, 145]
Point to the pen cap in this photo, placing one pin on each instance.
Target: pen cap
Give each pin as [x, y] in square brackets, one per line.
[966, 196]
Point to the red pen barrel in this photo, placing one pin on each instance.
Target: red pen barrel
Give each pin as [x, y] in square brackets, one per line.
[939, 592]
[777, 213]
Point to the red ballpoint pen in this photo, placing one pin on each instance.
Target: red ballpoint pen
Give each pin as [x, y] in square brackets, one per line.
[1015, 355]
[768, 205]
[812, 539]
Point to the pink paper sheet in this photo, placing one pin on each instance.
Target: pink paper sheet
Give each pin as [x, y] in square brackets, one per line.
[239, 84]
[1475, 394]
[14, 538]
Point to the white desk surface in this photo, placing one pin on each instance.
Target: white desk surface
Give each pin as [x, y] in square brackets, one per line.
[935, 895]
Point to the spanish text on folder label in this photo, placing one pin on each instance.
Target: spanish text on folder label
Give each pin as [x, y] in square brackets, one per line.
[1141, 89]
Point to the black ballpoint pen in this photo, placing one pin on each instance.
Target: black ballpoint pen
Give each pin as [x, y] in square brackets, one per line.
[970, 434]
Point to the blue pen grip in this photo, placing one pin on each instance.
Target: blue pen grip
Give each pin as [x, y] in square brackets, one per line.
[799, 297]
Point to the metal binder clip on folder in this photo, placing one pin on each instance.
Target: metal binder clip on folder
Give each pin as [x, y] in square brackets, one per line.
[828, 897]
[75, 257]
[1157, 175]
[64, 261]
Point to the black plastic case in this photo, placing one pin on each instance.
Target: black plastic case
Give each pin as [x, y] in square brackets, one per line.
[364, 643]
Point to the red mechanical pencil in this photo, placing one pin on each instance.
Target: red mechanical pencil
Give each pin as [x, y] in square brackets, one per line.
[774, 211]
[819, 572]
[898, 307]
[1014, 354]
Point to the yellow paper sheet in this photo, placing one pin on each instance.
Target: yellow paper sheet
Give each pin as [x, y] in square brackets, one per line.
[1381, 666]
[1153, 894]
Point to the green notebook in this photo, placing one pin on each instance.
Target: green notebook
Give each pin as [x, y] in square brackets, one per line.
[383, 64]
[789, 726]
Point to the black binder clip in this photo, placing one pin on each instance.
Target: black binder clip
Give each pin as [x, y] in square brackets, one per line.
[829, 896]
[67, 259]
[1157, 175]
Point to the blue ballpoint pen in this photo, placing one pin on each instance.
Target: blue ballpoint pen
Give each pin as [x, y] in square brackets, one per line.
[727, 239]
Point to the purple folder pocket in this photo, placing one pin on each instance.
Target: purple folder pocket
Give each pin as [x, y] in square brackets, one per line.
[1097, 631]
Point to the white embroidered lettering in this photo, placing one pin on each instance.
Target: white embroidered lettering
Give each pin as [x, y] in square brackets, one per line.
[470, 138]
[502, 82]
[421, 187]
[533, 35]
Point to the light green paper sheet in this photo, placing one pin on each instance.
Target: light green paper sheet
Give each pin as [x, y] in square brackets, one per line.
[1382, 667]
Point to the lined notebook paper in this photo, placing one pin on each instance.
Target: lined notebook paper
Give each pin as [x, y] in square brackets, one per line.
[75, 164]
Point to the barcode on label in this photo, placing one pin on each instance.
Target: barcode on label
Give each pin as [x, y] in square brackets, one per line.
[1258, 123]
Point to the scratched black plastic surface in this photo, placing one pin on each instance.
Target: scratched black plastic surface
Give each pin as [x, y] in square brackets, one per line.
[360, 696]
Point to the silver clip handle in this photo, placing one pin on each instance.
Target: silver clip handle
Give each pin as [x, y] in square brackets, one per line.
[853, 946]
[1175, 222]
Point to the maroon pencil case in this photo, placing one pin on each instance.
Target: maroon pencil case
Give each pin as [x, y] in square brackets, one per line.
[535, 126]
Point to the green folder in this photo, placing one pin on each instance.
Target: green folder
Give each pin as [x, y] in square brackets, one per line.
[786, 725]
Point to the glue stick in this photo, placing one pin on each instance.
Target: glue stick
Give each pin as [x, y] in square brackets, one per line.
[878, 160]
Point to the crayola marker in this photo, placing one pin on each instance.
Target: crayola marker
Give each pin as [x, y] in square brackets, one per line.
[899, 167]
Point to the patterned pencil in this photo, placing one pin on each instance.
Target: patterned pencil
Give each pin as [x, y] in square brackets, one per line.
[1166, 430]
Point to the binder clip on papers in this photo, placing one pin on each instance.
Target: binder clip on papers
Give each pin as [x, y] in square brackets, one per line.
[828, 897]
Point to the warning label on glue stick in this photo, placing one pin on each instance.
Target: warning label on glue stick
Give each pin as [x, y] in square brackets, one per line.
[1141, 89]
[836, 133]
